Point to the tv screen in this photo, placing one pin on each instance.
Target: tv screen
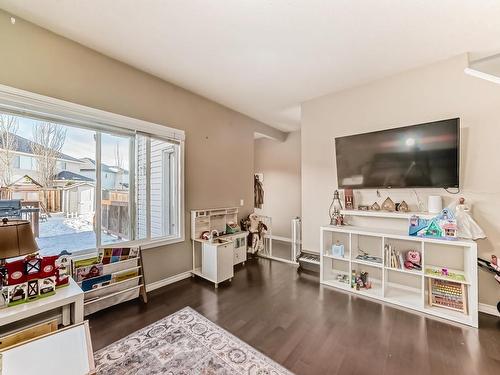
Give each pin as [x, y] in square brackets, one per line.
[425, 156]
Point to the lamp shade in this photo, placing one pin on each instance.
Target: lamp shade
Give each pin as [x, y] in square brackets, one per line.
[16, 238]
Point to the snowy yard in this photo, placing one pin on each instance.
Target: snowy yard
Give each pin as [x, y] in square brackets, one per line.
[60, 233]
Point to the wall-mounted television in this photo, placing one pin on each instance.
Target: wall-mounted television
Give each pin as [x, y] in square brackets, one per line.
[419, 156]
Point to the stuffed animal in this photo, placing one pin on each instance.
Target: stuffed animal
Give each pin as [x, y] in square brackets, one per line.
[413, 256]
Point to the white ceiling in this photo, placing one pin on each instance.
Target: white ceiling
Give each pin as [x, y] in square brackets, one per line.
[263, 58]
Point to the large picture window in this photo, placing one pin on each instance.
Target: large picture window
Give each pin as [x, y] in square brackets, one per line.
[82, 187]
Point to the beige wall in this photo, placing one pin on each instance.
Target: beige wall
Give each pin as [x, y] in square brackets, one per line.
[219, 141]
[438, 91]
[280, 164]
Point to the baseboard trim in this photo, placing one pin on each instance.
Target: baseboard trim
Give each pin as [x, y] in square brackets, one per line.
[488, 309]
[167, 281]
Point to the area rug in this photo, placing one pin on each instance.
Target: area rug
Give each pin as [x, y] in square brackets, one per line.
[183, 343]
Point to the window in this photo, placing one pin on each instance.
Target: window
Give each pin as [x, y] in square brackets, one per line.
[27, 163]
[126, 184]
[157, 188]
[115, 197]
[62, 165]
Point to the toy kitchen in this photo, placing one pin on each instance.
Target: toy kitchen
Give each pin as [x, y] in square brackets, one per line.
[218, 243]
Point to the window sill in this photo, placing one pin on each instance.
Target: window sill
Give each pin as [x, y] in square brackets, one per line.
[151, 244]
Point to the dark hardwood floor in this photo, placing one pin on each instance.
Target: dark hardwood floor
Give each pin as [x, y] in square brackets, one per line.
[312, 329]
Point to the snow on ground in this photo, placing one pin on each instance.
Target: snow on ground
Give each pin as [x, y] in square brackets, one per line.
[60, 233]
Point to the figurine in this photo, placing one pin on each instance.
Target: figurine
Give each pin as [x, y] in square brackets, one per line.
[349, 199]
[403, 207]
[388, 205]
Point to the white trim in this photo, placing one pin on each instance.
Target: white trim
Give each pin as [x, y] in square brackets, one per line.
[488, 309]
[152, 244]
[169, 280]
[31, 104]
[482, 75]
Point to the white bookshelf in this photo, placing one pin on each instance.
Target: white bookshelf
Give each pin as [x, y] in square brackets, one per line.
[400, 287]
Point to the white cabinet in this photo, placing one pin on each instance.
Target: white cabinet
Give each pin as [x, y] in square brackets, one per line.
[239, 246]
[217, 261]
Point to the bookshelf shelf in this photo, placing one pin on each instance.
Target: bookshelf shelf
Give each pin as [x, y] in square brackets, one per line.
[447, 278]
[399, 286]
[404, 296]
[402, 270]
[367, 263]
[345, 259]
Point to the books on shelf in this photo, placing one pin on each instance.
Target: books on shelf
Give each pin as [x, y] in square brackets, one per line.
[120, 269]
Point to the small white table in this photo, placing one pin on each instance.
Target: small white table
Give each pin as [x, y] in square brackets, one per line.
[67, 351]
[69, 298]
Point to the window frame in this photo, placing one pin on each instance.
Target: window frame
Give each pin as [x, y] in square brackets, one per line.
[27, 104]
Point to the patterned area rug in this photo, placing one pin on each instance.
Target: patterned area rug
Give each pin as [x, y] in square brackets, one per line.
[183, 343]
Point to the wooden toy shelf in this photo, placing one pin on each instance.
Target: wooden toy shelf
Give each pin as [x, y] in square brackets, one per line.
[399, 286]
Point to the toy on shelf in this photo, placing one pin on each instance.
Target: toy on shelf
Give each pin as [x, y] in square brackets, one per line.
[338, 249]
[448, 294]
[442, 226]
[24, 280]
[395, 259]
[360, 281]
[413, 260]
[368, 258]
[444, 273]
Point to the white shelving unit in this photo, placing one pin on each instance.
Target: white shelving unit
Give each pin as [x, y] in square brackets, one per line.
[401, 287]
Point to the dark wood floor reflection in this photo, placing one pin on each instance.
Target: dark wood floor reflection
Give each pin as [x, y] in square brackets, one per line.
[311, 329]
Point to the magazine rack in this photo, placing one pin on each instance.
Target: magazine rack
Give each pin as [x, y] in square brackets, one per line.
[119, 281]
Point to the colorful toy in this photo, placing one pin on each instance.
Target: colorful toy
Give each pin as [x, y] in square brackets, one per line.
[27, 279]
[448, 294]
[442, 226]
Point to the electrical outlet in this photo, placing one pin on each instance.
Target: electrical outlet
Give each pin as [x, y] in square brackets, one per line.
[242, 202]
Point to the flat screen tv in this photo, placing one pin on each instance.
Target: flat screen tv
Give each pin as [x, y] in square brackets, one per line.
[418, 156]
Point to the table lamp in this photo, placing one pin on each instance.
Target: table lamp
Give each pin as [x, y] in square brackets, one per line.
[16, 238]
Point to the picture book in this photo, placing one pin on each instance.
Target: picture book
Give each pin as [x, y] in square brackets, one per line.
[96, 282]
[116, 256]
[88, 272]
[105, 255]
[124, 275]
[84, 262]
